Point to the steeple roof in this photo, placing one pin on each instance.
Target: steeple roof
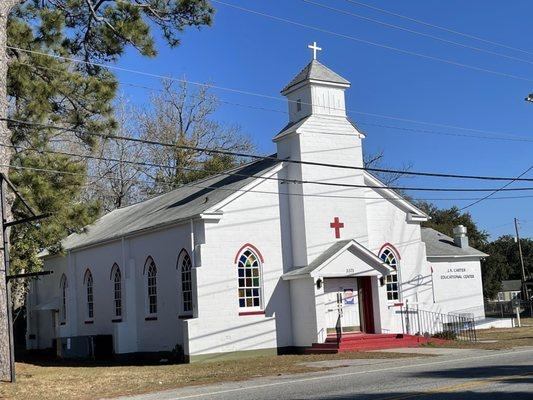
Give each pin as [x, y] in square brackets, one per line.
[317, 72]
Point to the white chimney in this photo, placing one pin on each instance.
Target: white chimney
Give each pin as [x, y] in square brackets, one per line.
[459, 236]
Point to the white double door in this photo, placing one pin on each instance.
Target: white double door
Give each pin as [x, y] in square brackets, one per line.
[341, 297]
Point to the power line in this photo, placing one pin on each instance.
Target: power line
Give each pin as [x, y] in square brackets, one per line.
[418, 21]
[376, 21]
[384, 46]
[499, 135]
[198, 185]
[260, 157]
[497, 190]
[406, 129]
[282, 180]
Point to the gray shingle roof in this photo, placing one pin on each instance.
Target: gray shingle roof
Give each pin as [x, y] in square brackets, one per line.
[179, 204]
[316, 71]
[440, 245]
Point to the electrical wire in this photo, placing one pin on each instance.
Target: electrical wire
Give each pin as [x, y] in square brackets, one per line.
[260, 157]
[456, 32]
[383, 46]
[265, 96]
[376, 21]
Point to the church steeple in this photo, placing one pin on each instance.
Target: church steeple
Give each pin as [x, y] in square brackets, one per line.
[317, 90]
[320, 132]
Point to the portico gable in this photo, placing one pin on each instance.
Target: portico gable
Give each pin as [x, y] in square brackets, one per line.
[345, 258]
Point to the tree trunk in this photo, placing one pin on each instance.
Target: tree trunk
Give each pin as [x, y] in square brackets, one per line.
[5, 158]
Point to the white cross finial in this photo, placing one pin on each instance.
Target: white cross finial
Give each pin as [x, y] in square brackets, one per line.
[315, 48]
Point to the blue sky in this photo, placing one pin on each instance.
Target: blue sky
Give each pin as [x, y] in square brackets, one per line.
[257, 54]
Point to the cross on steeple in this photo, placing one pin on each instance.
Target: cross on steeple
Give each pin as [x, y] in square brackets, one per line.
[315, 48]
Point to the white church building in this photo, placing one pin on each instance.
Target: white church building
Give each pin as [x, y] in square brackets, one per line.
[255, 261]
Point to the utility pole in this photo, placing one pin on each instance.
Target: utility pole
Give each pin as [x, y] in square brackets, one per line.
[6, 372]
[5, 248]
[524, 288]
[8, 363]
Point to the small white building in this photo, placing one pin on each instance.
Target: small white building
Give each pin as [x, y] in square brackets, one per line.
[253, 260]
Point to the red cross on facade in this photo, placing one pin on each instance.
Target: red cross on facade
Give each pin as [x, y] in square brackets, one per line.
[337, 225]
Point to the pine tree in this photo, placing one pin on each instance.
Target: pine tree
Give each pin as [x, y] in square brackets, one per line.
[57, 91]
[44, 89]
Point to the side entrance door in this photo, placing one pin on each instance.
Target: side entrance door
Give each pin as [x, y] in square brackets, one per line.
[341, 294]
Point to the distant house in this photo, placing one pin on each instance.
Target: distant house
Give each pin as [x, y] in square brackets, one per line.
[510, 290]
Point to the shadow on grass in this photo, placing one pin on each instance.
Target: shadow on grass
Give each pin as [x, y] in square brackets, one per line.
[49, 359]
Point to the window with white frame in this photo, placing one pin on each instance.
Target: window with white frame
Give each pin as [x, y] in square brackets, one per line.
[185, 268]
[63, 307]
[249, 272]
[89, 294]
[117, 291]
[391, 280]
[151, 285]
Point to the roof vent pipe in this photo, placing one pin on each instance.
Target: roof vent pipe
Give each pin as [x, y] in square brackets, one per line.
[459, 236]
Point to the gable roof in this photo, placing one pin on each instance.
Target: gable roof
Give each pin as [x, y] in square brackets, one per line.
[395, 197]
[440, 245]
[318, 72]
[179, 204]
[331, 252]
[293, 126]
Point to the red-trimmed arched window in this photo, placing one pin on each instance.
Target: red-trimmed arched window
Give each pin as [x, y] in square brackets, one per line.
[249, 271]
[391, 280]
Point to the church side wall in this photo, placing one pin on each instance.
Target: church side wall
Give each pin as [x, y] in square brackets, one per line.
[133, 332]
[165, 332]
[252, 218]
[458, 286]
[99, 260]
[387, 223]
[41, 324]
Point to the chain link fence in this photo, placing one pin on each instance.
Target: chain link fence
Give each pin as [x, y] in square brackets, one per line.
[507, 309]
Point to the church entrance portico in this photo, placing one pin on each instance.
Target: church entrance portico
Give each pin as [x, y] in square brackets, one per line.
[338, 291]
[342, 305]
[349, 304]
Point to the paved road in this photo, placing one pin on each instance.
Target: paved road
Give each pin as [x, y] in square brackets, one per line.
[466, 374]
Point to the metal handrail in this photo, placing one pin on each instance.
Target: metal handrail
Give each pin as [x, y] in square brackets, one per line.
[439, 325]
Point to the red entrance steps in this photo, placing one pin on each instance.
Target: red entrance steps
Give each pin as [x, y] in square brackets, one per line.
[366, 341]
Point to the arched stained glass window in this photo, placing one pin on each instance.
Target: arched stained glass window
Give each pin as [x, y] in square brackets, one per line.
[186, 281]
[391, 280]
[90, 295]
[151, 285]
[117, 291]
[249, 270]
